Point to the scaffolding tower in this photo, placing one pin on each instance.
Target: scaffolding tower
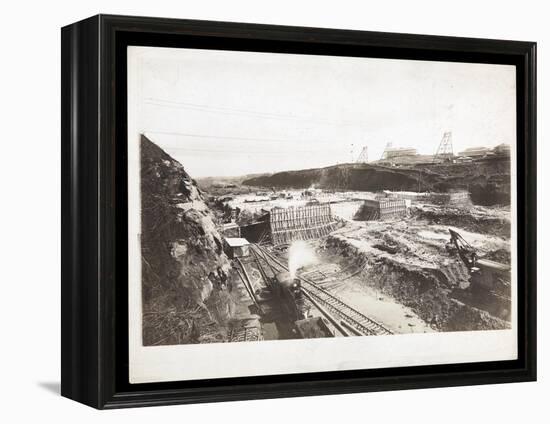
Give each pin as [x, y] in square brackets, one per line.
[363, 156]
[444, 151]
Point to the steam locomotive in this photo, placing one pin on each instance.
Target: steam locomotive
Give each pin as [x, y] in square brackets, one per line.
[289, 290]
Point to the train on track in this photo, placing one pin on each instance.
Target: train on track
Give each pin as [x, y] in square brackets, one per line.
[289, 290]
[344, 318]
[291, 295]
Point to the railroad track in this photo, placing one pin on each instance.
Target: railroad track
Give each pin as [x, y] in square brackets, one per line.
[359, 323]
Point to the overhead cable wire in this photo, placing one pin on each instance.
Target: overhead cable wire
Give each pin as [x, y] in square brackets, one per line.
[236, 111]
[227, 137]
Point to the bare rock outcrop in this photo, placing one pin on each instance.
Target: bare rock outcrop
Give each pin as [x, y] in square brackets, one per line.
[182, 253]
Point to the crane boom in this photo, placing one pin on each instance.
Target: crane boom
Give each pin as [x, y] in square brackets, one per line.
[485, 273]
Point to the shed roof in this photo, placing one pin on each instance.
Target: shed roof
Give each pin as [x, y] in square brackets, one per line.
[229, 226]
[236, 241]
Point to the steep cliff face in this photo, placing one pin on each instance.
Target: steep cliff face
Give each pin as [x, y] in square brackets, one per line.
[182, 256]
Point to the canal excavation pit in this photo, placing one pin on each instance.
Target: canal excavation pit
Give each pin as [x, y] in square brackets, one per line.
[399, 273]
[396, 272]
[419, 274]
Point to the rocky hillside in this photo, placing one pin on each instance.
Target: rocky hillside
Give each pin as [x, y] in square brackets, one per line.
[488, 181]
[182, 256]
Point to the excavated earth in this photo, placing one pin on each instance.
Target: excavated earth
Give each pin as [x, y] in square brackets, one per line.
[407, 260]
[191, 295]
[476, 219]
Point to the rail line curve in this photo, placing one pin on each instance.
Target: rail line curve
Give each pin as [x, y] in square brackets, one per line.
[356, 320]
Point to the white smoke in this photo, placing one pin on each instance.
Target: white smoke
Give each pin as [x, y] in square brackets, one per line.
[300, 254]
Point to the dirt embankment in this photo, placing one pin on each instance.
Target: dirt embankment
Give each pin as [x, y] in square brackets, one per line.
[477, 219]
[183, 263]
[346, 177]
[487, 180]
[416, 273]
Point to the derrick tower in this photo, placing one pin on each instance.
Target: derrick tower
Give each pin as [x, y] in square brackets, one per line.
[363, 156]
[444, 151]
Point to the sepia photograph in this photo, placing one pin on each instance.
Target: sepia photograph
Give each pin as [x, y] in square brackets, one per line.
[283, 197]
[295, 208]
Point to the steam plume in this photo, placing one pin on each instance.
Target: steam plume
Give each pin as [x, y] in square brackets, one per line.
[300, 254]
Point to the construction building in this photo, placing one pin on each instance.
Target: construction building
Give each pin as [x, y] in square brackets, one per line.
[399, 155]
[459, 198]
[474, 152]
[237, 247]
[393, 153]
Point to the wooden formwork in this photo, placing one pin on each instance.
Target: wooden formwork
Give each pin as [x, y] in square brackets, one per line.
[459, 198]
[393, 208]
[454, 198]
[302, 223]
[385, 208]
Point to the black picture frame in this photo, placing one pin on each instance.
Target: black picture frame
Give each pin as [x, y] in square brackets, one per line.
[94, 207]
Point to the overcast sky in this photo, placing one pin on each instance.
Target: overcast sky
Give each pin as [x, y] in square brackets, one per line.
[232, 113]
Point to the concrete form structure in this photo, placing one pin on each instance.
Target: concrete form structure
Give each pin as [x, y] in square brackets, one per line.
[408, 196]
[302, 223]
[284, 225]
[453, 198]
[384, 208]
